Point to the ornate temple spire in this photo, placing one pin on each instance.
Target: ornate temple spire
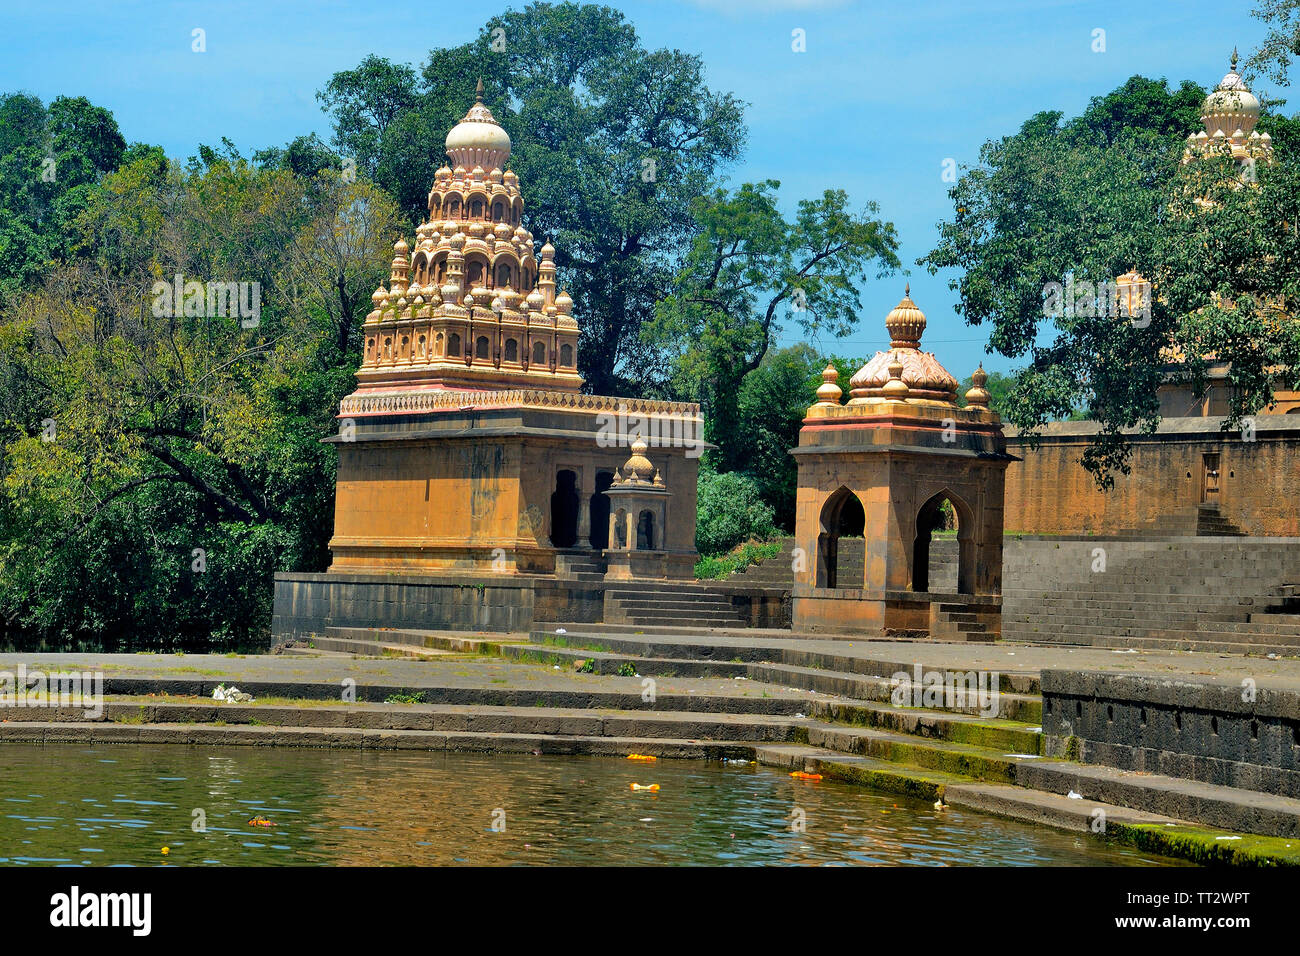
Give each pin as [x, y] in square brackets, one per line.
[1229, 115]
[472, 304]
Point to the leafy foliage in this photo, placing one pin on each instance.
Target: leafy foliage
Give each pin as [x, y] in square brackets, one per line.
[731, 510]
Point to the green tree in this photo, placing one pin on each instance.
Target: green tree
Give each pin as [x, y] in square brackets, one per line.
[50, 160]
[731, 510]
[1077, 203]
[747, 269]
[161, 462]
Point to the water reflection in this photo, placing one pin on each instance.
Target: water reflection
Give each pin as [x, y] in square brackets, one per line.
[63, 804]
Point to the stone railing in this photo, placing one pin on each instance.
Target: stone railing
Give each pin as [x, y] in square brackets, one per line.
[415, 402]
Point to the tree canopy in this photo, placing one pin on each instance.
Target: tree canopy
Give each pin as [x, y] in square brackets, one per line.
[1077, 203]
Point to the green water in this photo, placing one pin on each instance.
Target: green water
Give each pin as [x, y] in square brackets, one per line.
[121, 804]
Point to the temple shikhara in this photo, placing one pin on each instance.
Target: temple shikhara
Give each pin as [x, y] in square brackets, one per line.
[471, 306]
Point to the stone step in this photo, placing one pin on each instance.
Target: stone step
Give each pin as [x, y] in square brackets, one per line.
[459, 641]
[1247, 811]
[375, 649]
[82, 731]
[643, 723]
[776, 702]
[749, 647]
[966, 760]
[604, 662]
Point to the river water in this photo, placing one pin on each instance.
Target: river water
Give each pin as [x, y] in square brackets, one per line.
[75, 804]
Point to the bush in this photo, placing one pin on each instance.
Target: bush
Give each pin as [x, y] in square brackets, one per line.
[731, 510]
[751, 552]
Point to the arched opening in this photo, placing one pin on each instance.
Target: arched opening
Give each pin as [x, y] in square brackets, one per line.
[475, 272]
[497, 212]
[566, 356]
[564, 510]
[453, 345]
[645, 531]
[943, 555]
[481, 345]
[620, 529]
[599, 508]
[437, 345]
[503, 275]
[512, 350]
[842, 517]
[476, 209]
[539, 353]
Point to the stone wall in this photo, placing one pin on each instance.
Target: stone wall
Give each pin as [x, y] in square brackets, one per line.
[306, 603]
[1258, 481]
[1216, 731]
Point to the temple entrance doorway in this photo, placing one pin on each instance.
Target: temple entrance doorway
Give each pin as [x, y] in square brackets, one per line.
[564, 510]
[1210, 479]
[943, 514]
[599, 508]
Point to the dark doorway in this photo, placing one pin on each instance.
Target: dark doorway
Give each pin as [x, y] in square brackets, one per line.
[599, 508]
[842, 516]
[564, 510]
[943, 513]
[645, 531]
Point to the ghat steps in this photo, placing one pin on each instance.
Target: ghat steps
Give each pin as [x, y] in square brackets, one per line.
[811, 709]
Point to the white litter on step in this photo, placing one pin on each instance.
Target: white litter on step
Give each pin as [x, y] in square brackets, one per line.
[560, 630]
[1023, 756]
[1127, 650]
[1228, 838]
[1074, 796]
[230, 695]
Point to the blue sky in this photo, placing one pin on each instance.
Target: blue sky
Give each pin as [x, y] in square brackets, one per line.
[884, 93]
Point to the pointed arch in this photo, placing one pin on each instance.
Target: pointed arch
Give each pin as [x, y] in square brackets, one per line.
[929, 518]
[842, 514]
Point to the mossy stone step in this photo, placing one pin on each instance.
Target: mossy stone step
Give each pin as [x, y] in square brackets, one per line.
[967, 760]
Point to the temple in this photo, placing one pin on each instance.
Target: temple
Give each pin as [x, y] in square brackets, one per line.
[467, 445]
[884, 465]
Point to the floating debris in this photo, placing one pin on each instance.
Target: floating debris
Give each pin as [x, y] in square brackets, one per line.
[801, 775]
[260, 821]
[641, 757]
[652, 787]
